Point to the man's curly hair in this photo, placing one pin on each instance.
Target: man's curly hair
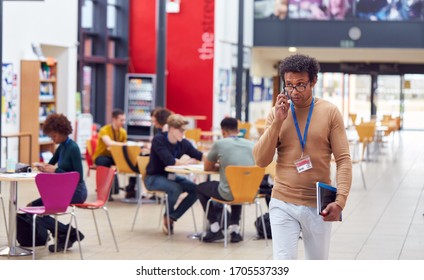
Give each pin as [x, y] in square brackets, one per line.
[57, 123]
[298, 63]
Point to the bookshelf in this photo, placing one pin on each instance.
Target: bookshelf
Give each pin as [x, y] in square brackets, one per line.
[38, 99]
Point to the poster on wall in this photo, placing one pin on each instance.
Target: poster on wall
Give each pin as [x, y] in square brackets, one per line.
[373, 10]
[261, 89]
[224, 85]
[9, 94]
[83, 131]
[268, 89]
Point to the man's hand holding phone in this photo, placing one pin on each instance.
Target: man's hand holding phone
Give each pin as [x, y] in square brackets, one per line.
[282, 106]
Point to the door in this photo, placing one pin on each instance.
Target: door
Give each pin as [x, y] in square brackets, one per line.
[413, 102]
[387, 96]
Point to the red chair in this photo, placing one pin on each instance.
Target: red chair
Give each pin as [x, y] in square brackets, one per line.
[104, 180]
[56, 191]
[90, 148]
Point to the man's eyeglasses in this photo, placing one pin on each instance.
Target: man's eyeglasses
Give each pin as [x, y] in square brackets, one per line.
[299, 88]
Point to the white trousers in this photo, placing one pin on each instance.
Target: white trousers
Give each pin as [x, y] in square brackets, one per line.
[288, 221]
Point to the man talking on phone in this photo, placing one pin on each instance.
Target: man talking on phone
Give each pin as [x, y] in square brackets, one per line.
[304, 131]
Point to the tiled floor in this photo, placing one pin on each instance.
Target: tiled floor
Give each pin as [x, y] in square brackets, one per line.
[384, 221]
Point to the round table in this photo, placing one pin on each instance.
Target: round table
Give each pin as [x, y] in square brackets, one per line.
[14, 178]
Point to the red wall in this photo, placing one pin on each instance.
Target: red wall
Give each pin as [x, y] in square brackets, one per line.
[189, 50]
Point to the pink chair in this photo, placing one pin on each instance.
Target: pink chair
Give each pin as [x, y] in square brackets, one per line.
[104, 180]
[56, 191]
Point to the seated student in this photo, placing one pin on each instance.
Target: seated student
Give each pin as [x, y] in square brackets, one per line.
[66, 158]
[231, 150]
[113, 134]
[159, 117]
[167, 149]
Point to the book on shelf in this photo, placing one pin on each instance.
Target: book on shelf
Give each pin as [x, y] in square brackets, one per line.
[44, 111]
[46, 72]
[326, 194]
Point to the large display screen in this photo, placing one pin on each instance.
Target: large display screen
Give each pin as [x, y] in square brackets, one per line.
[371, 10]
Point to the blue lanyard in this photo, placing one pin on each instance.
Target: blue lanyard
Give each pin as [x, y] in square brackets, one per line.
[296, 124]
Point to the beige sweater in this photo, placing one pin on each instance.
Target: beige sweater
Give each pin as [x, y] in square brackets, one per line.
[326, 136]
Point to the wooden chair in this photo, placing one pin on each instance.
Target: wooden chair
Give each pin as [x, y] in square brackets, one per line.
[91, 145]
[352, 118]
[56, 201]
[104, 182]
[142, 162]
[386, 118]
[125, 158]
[194, 134]
[393, 125]
[270, 170]
[366, 133]
[244, 182]
[244, 128]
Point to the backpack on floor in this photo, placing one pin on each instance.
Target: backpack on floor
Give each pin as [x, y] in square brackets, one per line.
[259, 227]
[24, 231]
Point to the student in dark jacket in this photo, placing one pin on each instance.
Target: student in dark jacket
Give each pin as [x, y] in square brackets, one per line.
[167, 149]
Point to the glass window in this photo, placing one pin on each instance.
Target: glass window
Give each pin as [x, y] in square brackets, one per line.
[387, 96]
[332, 88]
[87, 14]
[87, 88]
[413, 101]
[111, 14]
[360, 96]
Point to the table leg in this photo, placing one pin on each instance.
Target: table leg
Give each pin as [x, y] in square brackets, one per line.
[12, 249]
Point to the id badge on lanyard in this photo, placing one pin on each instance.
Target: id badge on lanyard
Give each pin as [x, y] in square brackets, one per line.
[304, 163]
